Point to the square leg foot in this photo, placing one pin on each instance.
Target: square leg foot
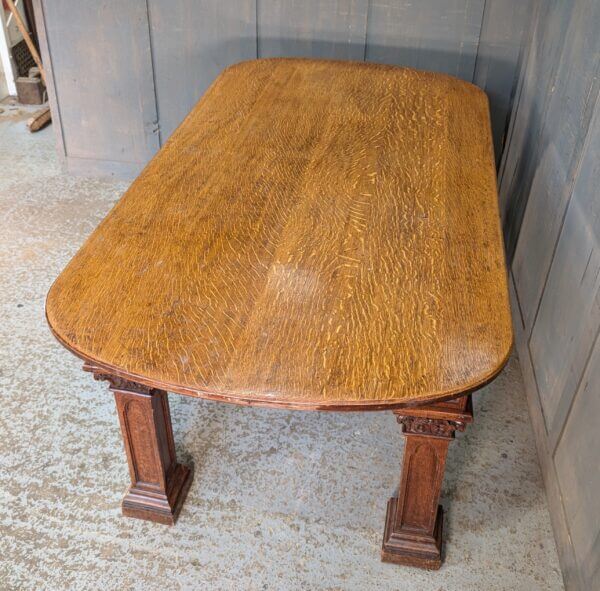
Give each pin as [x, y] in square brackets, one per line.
[411, 547]
[157, 507]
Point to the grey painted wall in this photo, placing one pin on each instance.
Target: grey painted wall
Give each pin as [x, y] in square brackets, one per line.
[550, 192]
[123, 75]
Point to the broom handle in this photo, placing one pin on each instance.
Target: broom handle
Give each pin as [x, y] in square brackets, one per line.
[21, 25]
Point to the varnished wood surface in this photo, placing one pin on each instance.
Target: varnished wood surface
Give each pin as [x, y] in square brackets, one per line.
[314, 235]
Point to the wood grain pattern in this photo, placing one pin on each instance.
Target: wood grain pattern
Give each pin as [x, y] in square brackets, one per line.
[319, 235]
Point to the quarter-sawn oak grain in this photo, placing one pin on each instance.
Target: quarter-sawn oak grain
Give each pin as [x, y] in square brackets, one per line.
[316, 234]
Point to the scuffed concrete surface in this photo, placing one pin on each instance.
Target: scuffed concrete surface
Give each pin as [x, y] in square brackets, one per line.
[280, 500]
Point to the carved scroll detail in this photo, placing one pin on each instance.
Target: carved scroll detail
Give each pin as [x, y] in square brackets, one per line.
[116, 382]
[431, 427]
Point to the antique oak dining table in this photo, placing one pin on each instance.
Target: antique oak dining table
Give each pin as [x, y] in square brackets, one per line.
[316, 235]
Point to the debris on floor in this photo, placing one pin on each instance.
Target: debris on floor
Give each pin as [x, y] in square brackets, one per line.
[35, 118]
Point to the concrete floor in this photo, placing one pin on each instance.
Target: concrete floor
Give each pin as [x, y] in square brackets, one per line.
[281, 500]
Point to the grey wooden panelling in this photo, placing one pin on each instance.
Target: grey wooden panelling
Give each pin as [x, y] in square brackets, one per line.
[426, 34]
[104, 87]
[553, 495]
[500, 44]
[559, 145]
[121, 67]
[516, 133]
[569, 314]
[193, 40]
[333, 29]
[547, 37]
[578, 472]
[549, 186]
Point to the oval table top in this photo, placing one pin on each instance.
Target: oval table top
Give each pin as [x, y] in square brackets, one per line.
[315, 235]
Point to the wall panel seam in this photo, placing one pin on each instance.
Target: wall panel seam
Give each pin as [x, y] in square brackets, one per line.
[522, 75]
[519, 309]
[368, 17]
[513, 101]
[535, 380]
[537, 144]
[554, 494]
[554, 441]
[485, 6]
[257, 28]
[571, 187]
[157, 128]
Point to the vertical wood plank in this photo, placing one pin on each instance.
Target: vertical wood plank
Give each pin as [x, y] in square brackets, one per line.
[333, 29]
[192, 41]
[102, 71]
[578, 470]
[559, 144]
[569, 315]
[428, 34]
[498, 59]
[522, 158]
[38, 8]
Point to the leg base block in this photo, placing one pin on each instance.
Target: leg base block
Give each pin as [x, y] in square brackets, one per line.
[157, 507]
[412, 548]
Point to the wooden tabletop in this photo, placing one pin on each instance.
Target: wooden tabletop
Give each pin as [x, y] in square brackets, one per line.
[316, 234]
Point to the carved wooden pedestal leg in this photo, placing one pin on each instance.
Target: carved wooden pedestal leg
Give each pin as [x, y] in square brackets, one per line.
[413, 527]
[159, 484]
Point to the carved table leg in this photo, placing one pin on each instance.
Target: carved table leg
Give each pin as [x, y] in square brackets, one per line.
[413, 527]
[159, 484]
